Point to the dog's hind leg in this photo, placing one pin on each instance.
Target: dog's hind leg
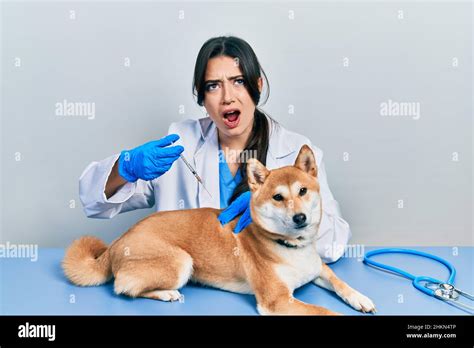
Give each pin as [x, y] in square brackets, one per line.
[162, 295]
[328, 280]
[158, 278]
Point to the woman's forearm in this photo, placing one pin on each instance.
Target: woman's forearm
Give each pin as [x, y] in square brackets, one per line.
[114, 182]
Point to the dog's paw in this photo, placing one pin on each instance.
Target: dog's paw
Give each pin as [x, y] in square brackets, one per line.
[164, 295]
[360, 302]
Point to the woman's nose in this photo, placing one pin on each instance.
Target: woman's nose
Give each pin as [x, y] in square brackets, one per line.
[228, 93]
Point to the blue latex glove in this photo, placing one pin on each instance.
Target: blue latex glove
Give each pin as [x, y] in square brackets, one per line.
[241, 205]
[150, 160]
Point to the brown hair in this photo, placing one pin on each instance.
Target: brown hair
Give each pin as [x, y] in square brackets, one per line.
[251, 69]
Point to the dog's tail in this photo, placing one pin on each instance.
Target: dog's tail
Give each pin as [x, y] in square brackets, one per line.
[87, 262]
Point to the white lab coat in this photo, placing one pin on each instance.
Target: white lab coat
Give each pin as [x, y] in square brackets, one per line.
[179, 189]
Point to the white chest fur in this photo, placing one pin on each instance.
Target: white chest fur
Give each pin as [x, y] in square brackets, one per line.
[301, 265]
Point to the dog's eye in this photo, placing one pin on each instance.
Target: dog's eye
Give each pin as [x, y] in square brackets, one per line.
[278, 197]
[303, 191]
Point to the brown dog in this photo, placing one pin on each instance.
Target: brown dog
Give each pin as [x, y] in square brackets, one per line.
[270, 258]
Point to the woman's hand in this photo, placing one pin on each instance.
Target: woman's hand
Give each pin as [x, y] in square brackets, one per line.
[241, 205]
[150, 160]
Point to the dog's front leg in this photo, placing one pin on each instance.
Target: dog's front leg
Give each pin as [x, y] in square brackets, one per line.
[328, 280]
[288, 305]
[274, 298]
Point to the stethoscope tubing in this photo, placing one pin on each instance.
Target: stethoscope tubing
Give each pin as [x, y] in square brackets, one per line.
[417, 280]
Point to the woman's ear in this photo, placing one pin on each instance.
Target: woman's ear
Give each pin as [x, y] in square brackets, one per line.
[260, 84]
[306, 161]
[256, 173]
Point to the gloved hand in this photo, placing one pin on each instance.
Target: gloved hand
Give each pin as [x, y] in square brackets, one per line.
[241, 205]
[150, 160]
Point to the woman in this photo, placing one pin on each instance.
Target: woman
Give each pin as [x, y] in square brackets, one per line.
[228, 83]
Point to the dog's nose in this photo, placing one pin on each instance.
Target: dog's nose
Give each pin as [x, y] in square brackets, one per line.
[299, 219]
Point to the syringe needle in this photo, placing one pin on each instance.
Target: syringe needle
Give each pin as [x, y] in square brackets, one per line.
[194, 173]
[206, 189]
[200, 180]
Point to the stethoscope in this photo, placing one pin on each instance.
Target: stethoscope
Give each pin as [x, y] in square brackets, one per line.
[441, 290]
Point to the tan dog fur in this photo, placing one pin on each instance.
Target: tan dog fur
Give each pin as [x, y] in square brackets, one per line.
[161, 253]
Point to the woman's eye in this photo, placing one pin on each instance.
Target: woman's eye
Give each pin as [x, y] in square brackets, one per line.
[208, 87]
[240, 81]
[303, 191]
[278, 197]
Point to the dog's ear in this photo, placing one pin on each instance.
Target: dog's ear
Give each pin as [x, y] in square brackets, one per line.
[256, 173]
[306, 161]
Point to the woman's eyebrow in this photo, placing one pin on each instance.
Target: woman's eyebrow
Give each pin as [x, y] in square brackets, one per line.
[230, 79]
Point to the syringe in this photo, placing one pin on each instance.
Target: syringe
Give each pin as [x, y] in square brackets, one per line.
[194, 173]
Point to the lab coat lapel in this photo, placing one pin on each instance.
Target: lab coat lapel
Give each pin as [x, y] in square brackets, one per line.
[279, 147]
[206, 160]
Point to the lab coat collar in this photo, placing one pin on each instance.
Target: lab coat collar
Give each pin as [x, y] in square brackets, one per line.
[206, 127]
[279, 144]
[206, 159]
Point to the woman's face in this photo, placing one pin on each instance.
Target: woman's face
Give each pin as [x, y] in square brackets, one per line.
[225, 92]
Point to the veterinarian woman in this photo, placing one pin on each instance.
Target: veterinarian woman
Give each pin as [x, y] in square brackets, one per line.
[228, 83]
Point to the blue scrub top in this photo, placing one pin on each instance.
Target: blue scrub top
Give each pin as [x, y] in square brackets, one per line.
[227, 182]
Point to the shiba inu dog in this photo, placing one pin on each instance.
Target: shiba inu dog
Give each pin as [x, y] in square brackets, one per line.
[270, 258]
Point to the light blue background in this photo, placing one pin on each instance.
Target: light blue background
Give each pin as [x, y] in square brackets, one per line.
[337, 107]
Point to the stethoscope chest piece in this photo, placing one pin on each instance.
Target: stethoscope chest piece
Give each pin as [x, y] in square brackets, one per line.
[446, 291]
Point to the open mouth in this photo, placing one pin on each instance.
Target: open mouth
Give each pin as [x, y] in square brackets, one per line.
[231, 117]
